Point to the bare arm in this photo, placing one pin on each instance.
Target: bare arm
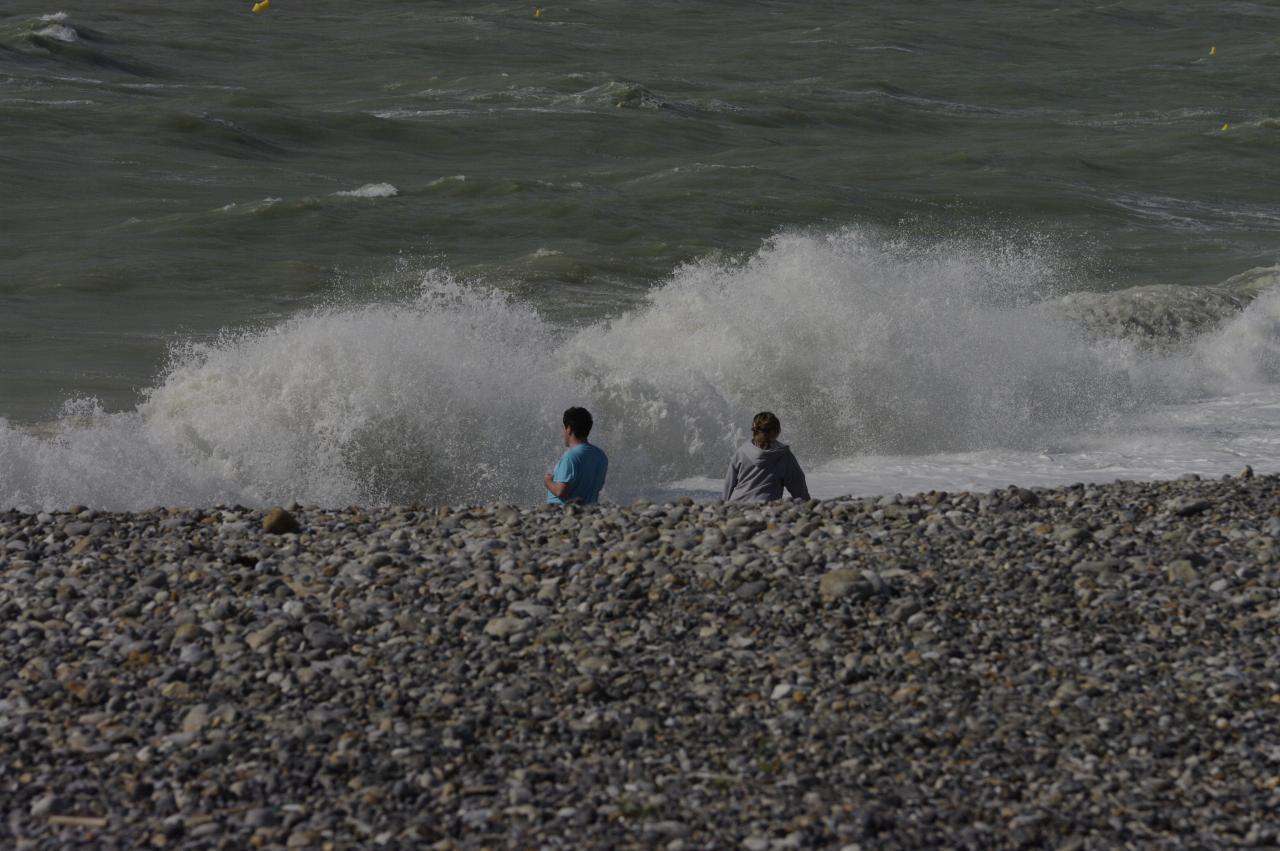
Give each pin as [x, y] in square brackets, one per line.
[559, 489]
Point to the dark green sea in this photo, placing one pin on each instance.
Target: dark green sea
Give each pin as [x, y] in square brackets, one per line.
[367, 251]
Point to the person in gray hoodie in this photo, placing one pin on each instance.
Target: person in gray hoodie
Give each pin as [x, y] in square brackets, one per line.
[763, 466]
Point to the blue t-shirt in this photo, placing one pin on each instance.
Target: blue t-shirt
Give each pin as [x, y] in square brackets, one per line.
[584, 467]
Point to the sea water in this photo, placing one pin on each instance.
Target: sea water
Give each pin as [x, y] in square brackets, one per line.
[364, 253]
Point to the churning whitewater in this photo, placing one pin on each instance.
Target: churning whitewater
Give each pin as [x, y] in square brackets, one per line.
[864, 344]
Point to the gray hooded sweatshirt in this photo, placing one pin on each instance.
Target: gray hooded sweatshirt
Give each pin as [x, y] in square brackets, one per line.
[757, 475]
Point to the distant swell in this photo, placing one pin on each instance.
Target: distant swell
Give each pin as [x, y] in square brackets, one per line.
[58, 37]
[860, 342]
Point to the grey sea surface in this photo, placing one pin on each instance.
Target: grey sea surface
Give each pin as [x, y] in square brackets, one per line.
[170, 171]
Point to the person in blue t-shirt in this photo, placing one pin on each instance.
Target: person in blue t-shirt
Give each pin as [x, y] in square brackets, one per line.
[579, 475]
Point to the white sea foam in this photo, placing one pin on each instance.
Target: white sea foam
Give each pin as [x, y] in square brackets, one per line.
[250, 206]
[404, 114]
[866, 347]
[38, 102]
[1196, 215]
[370, 190]
[58, 32]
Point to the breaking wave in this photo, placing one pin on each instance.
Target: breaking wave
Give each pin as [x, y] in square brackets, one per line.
[861, 343]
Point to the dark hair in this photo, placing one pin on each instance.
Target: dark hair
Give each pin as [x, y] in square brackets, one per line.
[579, 421]
[764, 427]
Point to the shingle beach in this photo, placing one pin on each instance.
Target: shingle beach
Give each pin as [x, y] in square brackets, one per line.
[1088, 667]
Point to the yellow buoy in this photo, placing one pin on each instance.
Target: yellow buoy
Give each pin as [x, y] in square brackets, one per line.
[262, 5]
[1226, 127]
[1213, 51]
[537, 13]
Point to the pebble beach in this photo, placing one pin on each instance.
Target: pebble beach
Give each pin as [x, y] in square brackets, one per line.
[1089, 667]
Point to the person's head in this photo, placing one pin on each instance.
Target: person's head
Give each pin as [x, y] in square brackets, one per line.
[577, 424]
[765, 429]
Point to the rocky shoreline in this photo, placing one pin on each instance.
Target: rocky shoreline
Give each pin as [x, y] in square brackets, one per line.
[1089, 667]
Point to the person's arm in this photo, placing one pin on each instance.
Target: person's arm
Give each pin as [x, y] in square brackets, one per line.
[795, 483]
[560, 483]
[559, 489]
[730, 477]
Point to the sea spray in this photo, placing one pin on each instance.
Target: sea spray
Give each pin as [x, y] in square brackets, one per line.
[448, 398]
[1243, 354]
[862, 343]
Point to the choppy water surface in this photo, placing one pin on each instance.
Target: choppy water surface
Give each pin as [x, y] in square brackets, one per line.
[360, 251]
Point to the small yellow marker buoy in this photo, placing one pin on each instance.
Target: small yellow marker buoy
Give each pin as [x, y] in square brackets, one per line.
[1213, 51]
[262, 5]
[537, 13]
[1226, 127]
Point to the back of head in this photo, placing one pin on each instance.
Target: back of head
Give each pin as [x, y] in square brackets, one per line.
[765, 429]
[579, 421]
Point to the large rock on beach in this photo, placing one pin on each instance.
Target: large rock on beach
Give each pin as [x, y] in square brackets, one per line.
[280, 522]
[843, 582]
